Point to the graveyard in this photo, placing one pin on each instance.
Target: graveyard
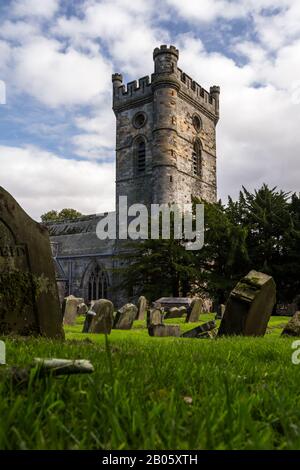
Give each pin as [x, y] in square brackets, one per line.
[149, 262]
[174, 373]
[156, 393]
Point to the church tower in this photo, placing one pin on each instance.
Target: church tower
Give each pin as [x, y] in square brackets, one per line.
[166, 135]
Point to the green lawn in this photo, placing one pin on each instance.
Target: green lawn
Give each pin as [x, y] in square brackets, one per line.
[156, 393]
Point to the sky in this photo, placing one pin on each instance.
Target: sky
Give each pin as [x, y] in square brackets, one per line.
[57, 128]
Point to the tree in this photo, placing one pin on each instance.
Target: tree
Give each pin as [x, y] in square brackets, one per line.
[261, 231]
[157, 268]
[62, 215]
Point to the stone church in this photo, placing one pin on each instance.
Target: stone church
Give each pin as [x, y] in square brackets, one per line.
[165, 153]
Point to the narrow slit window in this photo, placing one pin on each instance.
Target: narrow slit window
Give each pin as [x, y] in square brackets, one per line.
[196, 159]
[141, 156]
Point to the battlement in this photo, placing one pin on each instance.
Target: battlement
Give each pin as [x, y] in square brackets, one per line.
[198, 93]
[137, 89]
[165, 72]
[163, 49]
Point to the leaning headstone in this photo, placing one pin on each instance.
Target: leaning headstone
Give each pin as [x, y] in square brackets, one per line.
[102, 322]
[125, 317]
[88, 320]
[199, 330]
[29, 303]
[220, 312]
[164, 330]
[293, 326]
[194, 311]
[249, 306]
[69, 308]
[154, 316]
[82, 309]
[142, 308]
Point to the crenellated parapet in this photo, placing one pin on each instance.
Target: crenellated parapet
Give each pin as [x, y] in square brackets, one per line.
[189, 87]
[166, 74]
[124, 95]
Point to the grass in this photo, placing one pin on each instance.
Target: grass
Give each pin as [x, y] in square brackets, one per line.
[156, 393]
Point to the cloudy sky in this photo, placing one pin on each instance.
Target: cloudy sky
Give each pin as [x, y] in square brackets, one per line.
[56, 59]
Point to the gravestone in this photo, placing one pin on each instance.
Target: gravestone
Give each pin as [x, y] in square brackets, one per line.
[154, 316]
[102, 322]
[142, 308]
[70, 309]
[125, 317]
[249, 306]
[199, 330]
[164, 330]
[88, 320]
[293, 326]
[82, 309]
[194, 311]
[29, 303]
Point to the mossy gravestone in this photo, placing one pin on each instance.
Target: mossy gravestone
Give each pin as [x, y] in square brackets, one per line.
[249, 306]
[102, 322]
[125, 317]
[29, 303]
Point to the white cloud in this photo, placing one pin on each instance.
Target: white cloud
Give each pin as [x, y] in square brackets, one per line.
[41, 181]
[126, 28]
[96, 136]
[257, 135]
[39, 8]
[18, 30]
[5, 56]
[59, 77]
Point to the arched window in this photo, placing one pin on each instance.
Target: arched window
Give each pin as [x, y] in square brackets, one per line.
[140, 156]
[97, 284]
[196, 158]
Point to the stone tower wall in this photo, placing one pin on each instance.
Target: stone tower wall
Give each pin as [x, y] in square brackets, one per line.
[169, 100]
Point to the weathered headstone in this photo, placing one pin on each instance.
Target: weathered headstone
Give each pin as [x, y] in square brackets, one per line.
[154, 316]
[69, 309]
[164, 330]
[293, 326]
[142, 308]
[29, 303]
[102, 322]
[194, 311]
[249, 306]
[82, 309]
[125, 317]
[199, 330]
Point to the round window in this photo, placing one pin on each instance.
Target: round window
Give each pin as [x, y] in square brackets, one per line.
[197, 123]
[139, 120]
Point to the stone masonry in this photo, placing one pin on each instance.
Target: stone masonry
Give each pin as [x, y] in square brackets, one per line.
[171, 103]
[165, 153]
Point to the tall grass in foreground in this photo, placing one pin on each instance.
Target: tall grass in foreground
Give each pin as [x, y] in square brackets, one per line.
[245, 394]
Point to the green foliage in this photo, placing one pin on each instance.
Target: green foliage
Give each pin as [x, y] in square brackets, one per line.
[245, 394]
[261, 231]
[62, 215]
